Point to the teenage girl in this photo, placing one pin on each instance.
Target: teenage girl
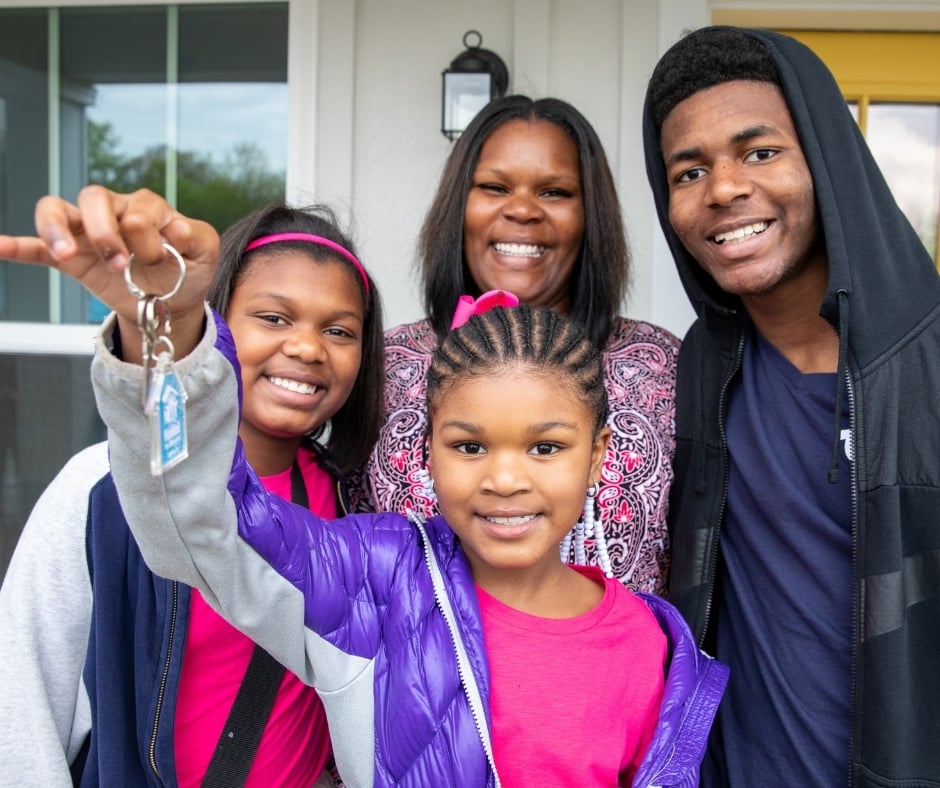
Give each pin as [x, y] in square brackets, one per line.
[303, 313]
[458, 651]
[153, 694]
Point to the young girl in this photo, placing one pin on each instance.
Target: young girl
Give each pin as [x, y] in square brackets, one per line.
[150, 698]
[457, 651]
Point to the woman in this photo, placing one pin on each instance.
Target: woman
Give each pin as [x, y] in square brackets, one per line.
[527, 204]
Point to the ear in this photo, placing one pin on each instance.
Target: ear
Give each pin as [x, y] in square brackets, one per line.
[599, 451]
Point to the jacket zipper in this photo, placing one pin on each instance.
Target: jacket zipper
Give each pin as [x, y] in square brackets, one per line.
[856, 570]
[474, 700]
[163, 681]
[713, 557]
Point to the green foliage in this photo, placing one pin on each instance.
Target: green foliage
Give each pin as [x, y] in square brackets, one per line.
[218, 193]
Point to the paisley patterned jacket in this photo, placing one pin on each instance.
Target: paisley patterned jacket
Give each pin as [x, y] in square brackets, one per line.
[640, 372]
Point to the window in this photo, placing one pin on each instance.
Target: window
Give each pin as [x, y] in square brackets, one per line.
[187, 100]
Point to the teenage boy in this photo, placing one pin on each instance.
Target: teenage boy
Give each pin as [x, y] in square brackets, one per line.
[805, 515]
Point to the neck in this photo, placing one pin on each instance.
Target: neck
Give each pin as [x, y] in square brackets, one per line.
[558, 592]
[268, 455]
[788, 317]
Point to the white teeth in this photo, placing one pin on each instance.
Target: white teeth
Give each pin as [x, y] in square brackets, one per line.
[741, 232]
[293, 385]
[511, 520]
[520, 250]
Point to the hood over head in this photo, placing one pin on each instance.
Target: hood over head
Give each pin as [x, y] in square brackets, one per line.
[875, 257]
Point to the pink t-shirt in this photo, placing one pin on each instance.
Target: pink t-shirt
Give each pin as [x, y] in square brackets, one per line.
[574, 701]
[295, 745]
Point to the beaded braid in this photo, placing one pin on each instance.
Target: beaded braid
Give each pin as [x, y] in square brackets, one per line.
[544, 340]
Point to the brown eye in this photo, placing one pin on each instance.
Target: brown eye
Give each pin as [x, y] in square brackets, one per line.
[761, 154]
[545, 449]
[691, 175]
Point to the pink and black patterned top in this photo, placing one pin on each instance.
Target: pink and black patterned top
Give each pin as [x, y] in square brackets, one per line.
[640, 372]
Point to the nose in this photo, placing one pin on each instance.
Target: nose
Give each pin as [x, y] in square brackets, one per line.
[306, 345]
[727, 182]
[505, 474]
[523, 206]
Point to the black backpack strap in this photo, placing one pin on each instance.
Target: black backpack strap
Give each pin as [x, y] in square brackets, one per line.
[249, 714]
[241, 735]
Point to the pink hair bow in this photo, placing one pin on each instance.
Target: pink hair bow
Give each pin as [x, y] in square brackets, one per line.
[467, 306]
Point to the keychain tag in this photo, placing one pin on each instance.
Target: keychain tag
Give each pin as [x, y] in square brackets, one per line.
[162, 394]
[166, 409]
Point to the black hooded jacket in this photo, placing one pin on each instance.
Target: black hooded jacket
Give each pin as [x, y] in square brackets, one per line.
[883, 299]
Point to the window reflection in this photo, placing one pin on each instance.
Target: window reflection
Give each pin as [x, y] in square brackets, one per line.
[905, 139]
[205, 125]
[48, 414]
[24, 153]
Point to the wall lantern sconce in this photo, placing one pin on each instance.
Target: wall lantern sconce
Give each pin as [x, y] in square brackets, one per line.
[473, 79]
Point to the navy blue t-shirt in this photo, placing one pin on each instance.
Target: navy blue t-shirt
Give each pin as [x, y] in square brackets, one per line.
[784, 612]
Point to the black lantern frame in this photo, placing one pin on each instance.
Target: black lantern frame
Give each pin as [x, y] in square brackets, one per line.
[474, 78]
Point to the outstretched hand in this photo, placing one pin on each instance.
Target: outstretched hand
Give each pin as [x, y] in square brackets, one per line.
[92, 242]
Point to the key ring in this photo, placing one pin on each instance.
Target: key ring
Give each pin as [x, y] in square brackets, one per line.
[167, 347]
[138, 293]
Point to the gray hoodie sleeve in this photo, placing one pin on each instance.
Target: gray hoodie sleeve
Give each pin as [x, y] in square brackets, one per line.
[186, 526]
[185, 521]
[45, 614]
[194, 491]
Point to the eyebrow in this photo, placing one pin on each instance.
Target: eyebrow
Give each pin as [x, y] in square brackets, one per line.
[535, 429]
[499, 172]
[750, 133]
[288, 300]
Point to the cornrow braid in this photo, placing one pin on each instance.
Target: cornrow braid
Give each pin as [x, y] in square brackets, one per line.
[537, 337]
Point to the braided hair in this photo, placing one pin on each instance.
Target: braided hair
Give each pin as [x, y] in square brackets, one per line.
[538, 338]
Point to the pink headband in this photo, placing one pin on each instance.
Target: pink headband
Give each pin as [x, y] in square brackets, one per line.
[467, 306]
[264, 240]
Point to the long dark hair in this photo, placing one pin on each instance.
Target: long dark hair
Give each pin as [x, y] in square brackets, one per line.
[355, 426]
[601, 274]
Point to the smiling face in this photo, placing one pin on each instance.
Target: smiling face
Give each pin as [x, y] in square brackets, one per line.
[297, 325]
[741, 196]
[512, 453]
[524, 219]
